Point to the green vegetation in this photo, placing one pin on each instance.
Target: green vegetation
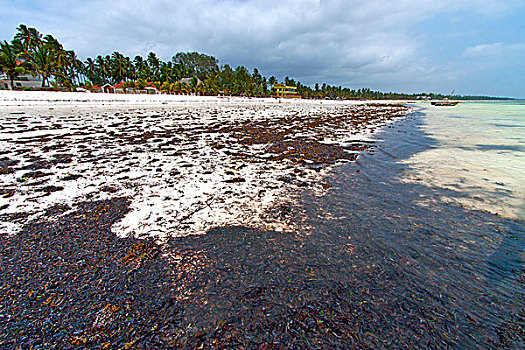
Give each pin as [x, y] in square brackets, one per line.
[9, 58]
[32, 53]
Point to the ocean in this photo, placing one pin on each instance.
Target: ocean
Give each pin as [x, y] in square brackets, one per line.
[479, 154]
[435, 217]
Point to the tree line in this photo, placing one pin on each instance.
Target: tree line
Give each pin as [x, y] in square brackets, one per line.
[30, 52]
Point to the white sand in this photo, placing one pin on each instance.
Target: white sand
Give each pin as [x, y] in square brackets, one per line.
[176, 179]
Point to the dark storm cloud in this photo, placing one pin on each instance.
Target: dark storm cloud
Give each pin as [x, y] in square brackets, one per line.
[372, 43]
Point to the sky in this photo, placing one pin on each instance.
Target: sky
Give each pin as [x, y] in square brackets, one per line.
[476, 47]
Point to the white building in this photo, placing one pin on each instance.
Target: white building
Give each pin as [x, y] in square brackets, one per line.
[21, 81]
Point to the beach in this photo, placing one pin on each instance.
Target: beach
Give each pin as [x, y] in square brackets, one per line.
[233, 175]
[187, 167]
[251, 223]
[99, 185]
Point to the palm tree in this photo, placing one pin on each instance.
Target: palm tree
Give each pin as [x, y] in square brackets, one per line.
[177, 87]
[66, 66]
[210, 85]
[53, 43]
[30, 38]
[185, 88]
[107, 66]
[141, 67]
[264, 85]
[80, 71]
[102, 69]
[154, 64]
[90, 69]
[199, 89]
[165, 87]
[141, 84]
[10, 63]
[45, 63]
[119, 67]
[133, 74]
[167, 72]
[272, 80]
[128, 85]
[18, 47]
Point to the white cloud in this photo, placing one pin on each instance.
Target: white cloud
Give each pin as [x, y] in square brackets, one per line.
[495, 50]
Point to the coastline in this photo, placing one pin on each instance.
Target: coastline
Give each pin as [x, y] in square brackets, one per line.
[12, 98]
[460, 268]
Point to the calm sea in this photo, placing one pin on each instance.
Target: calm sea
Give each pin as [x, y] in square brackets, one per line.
[479, 153]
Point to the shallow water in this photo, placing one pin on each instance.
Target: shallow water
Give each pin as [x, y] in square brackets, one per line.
[460, 268]
[479, 152]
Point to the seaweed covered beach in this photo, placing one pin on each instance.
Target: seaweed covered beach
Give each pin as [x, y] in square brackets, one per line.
[187, 168]
[249, 226]
[97, 204]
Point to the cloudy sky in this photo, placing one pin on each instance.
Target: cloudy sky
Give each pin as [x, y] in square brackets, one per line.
[472, 46]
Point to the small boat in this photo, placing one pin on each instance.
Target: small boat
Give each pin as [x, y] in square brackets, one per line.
[445, 102]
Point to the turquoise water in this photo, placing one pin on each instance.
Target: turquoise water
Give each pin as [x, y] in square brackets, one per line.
[479, 154]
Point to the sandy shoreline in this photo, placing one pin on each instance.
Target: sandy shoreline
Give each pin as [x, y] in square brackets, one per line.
[187, 166]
